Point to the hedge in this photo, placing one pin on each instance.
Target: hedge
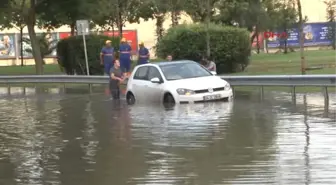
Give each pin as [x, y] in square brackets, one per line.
[230, 46]
[71, 57]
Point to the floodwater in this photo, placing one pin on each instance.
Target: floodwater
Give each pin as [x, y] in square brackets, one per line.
[79, 139]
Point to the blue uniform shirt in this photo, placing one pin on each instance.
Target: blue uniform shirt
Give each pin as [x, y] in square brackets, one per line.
[108, 58]
[125, 51]
[143, 55]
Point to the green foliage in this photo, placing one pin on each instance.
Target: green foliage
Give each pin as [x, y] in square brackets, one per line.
[115, 13]
[71, 57]
[12, 14]
[331, 16]
[230, 46]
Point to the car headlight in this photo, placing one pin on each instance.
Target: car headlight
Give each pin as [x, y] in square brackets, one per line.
[184, 91]
[227, 86]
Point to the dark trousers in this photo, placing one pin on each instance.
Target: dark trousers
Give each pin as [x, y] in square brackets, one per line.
[115, 91]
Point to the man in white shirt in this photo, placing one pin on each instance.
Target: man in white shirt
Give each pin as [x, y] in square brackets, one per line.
[210, 65]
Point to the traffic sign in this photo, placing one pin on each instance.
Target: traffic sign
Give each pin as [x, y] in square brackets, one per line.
[82, 27]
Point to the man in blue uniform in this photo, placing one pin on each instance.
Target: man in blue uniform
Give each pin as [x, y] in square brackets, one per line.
[143, 54]
[125, 56]
[107, 57]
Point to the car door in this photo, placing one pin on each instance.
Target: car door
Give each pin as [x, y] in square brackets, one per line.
[155, 89]
[140, 82]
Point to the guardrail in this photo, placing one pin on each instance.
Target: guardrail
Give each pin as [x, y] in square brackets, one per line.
[66, 79]
[292, 81]
[282, 80]
[263, 80]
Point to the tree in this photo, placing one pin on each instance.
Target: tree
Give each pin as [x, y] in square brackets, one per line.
[118, 12]
[197, 9]
[66, 12]
[285, 17]
[331, 16]
[255, 15]
[202, 11]
[14, 18]
[28, 17]
[303, 62]
[175, 7]
[160, 9]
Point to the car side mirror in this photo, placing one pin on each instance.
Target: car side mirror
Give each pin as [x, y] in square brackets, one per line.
[213, 72]
[155, 80]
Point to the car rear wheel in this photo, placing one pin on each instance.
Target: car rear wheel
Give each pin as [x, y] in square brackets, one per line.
[169, 99]
[130, 98]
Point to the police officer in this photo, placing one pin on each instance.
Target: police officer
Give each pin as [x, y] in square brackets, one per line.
[125, 56]
[143, 54]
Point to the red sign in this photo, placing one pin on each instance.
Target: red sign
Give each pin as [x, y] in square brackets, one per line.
[268, 34]
[63, 35]
[260, 40]
[130, 35]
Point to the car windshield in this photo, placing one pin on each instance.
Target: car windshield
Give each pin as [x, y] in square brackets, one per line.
[178, 71]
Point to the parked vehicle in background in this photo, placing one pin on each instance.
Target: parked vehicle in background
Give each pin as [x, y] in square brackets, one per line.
[176, 82]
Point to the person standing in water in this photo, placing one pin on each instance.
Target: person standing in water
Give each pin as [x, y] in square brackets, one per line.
[210, 65]
[116, 78]
[169, 57]
[107, 57]
[125, 56]
[143, 54]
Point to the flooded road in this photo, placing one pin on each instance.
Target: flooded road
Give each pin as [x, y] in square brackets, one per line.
[79, 139]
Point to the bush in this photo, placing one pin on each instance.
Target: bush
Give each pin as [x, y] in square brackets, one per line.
[71, 57]
[230, 46]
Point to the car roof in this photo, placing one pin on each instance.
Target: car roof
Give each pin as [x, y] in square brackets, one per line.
[174, 62]
[166, 63]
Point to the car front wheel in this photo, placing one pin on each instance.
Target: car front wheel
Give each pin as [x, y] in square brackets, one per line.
[168, 98]
[130, 98]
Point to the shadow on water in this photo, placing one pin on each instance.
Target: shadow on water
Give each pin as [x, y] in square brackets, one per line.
[57, 138]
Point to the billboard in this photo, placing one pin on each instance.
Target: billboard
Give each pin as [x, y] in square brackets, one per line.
[130, 35]
[315, 34]
[7, 46]
[51, 38]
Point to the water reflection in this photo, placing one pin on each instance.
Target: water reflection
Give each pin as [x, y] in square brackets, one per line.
[88, 139]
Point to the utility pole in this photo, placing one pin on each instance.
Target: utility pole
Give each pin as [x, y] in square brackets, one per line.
[208, 11]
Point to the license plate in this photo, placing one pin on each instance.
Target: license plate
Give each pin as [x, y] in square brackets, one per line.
[212, 97]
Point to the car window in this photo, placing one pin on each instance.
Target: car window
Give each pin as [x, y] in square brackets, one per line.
[141, 73]
[154, 72]
[179, 71]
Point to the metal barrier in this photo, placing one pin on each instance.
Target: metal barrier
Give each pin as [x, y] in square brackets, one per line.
[70, 79]
[282, 80]
[264, 80]
[292, 81]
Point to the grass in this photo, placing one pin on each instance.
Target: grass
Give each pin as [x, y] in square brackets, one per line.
[49, 69]
[281, 64]
[290, 64]
[261, 64]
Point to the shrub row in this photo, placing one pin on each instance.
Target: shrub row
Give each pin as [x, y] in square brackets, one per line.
[71, 57]
[230, 46]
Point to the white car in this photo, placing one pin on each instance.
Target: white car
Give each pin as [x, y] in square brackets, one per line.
[176, 82]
